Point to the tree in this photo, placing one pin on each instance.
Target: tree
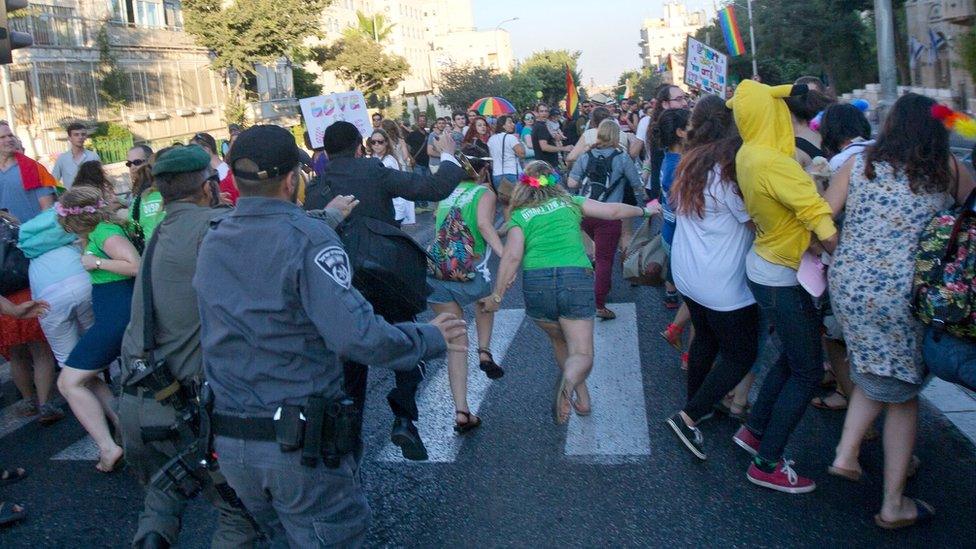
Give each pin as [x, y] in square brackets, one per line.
[113, 84]
[522, 90]
[375, 27]
[243, 33]
[462, 85]
[361, 62]
[306, 82]
[549, 68]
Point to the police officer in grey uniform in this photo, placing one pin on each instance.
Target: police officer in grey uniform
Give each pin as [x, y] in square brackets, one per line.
[150, 428]
[278, 317]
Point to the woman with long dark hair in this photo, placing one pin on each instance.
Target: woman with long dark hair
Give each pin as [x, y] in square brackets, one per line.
[711, 241]
[889, 194]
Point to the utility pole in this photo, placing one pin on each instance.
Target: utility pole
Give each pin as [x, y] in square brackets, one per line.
[885, 32]
[752, 40]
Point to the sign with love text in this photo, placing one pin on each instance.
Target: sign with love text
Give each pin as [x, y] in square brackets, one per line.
[323, 111]
[706, 68]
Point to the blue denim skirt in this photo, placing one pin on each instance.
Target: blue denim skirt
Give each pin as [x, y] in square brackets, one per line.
[561, 292]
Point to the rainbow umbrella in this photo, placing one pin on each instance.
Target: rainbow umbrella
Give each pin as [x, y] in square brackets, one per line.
[492, 106]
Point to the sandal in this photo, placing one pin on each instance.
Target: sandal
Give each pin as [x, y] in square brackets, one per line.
[471, 422]
[492, 370]
[8, 476]
[852, 475]
[559, 415]
[581, 411]
[11, 513]
[821, 402]
[605, 314]
[924, 513]
[672, 334]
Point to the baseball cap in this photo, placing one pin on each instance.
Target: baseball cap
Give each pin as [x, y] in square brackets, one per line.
[271, 150]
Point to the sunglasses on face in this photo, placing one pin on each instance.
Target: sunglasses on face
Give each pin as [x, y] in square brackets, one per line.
[137, 162]
[377, 142]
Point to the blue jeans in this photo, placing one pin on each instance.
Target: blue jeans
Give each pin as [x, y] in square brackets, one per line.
[496, 179]
[561, 292]
[791, 382]
[951, 359]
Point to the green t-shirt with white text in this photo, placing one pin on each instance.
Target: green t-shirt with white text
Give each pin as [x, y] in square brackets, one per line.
[151, 212]
[552, 234]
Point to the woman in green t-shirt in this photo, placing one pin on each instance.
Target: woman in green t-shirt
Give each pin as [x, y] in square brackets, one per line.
[112, 262]
[146, 210]
[475, 202]
[557, 277]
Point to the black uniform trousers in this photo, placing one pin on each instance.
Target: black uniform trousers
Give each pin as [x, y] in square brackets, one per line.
[402, 398]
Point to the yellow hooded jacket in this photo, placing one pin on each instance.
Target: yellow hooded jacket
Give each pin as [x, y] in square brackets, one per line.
[780, 197]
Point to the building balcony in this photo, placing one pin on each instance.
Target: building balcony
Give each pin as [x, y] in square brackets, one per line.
[961, 12]
[128, 35]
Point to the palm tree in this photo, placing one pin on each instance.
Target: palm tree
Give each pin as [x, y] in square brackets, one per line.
[375, 27]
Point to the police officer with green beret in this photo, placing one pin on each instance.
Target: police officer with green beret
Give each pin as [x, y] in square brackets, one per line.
[278, 317]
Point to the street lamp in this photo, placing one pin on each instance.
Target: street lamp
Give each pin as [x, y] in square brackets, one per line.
[498, 53]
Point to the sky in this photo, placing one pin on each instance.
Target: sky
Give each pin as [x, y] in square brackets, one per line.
[607, 37]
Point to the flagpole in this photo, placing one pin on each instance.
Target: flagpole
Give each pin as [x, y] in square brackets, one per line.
[752, 40]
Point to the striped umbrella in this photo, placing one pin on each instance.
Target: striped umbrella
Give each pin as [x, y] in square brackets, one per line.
[492, 106]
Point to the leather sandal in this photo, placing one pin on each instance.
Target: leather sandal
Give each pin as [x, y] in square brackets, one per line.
[473, 422]
[492, 370]
[605, 314]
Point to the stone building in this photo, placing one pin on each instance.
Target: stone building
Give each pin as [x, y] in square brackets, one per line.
[933, 30]
[171, 91]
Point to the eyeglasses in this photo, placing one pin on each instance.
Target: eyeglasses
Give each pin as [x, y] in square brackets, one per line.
[377, 142]
[137, 162]
[681, 97]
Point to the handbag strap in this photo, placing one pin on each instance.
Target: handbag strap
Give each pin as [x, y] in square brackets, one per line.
[148, 308]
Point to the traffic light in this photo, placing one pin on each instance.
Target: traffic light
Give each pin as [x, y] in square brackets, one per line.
[11, 40]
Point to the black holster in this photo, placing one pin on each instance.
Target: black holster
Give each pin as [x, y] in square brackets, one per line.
[327, 430]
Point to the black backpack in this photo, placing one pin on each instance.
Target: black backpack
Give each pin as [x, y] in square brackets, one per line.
[389, 267]
[596, 183]
[13, 263]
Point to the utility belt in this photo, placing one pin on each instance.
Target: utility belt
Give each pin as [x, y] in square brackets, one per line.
[324, 429]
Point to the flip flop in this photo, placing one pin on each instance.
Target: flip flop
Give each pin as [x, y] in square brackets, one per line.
[492, 370]
[8, 476]
[8, 515]
[472, 423]
[821, 403]
[557, 405]
[852, 475]
[925, 513]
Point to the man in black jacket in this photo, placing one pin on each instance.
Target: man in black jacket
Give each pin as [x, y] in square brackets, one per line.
[375, 186]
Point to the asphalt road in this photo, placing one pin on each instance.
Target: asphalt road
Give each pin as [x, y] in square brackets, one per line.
[618, 478]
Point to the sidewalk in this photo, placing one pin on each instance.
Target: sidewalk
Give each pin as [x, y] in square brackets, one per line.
[957, 404]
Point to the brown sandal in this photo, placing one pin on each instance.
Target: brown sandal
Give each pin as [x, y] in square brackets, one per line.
[605, 314]
[472, 422]
[821, 402]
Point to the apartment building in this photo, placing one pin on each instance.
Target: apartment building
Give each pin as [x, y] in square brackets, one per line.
[667, 35]
[934, 28]
[172, 92]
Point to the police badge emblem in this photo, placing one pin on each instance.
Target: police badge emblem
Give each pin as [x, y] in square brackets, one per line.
[334, 262]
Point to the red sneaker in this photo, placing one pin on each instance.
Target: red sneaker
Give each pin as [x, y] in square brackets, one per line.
[746, 440]
[782, 479]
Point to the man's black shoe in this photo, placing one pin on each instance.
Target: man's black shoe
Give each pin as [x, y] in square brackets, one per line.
[406, 436]
[153, 540]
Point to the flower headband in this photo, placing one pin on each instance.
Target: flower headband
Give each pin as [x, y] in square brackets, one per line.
[76, 210]
[543, 180]
[955, 121]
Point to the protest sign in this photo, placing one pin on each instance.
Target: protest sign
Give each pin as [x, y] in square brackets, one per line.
[322, 111]
[705, 68]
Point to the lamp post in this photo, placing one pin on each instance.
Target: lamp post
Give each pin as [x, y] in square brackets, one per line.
[498, 53]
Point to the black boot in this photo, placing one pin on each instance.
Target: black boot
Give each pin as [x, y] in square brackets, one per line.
[406, 436]
[152, 540]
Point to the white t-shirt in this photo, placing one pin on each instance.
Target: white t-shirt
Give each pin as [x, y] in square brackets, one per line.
[222, 170]
[403, 209]
[843, 156]
[503, 145]
[642, 126]
[708, 254]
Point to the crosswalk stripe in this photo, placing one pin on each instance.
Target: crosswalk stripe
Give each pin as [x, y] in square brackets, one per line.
[82, 450]
[616, 432]
[435, 402]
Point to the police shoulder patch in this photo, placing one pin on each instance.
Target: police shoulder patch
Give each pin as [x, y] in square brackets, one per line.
[334, 262]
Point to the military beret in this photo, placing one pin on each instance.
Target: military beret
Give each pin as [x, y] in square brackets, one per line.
[191, 158]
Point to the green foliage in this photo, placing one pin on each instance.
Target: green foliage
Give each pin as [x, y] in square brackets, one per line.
[548, 67]
[372, 27]
[113, 84]
[828, 38]
[110, 131]
[365, 66]
[306, 84]
[643, 83]
[245, 32]
[523, 86]
[966, 45]
[460, 86]
[235, 110]
[431, 113]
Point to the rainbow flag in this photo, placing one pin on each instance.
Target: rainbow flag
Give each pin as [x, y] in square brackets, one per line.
[730, 29]
[572, 96]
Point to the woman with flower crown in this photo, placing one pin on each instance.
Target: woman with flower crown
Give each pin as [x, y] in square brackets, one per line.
[112, 262]
[557, 277]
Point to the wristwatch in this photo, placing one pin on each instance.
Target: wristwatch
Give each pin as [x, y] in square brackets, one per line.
[98, 264]
[496, 298]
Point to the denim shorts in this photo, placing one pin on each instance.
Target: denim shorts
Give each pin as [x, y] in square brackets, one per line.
[561, 292]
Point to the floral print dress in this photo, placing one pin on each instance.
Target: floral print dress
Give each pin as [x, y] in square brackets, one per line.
[871, 276]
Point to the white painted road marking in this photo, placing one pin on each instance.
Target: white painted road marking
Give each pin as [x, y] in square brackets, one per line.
[436, 405]
[83, 450]
[616, 432]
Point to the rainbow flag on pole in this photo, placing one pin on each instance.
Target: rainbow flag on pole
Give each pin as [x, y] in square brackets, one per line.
[572, 96]
[730, 29]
